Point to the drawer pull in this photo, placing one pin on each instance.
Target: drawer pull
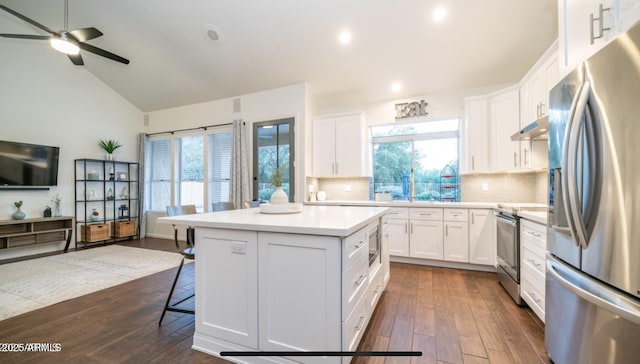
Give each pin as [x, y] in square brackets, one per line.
[360, 323]
[533, 233]
[360, 280]
[533, 261]
[358, 245]
[534, 297]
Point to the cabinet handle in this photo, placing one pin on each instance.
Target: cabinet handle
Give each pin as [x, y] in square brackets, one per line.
[537, 110]
[446, 227]
[473, 218]
[515, 157]
[532, 261]
[526, 152]
[412, 228]
[337, 168]
[360, 280]
[542, 112]
[360, 323]
[600, 20]
[406, 227]
[533, 296]
[473, 163]
[358, 245]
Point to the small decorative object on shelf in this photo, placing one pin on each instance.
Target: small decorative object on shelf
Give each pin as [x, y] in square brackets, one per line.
[124, 194]
[449, 187]
[110, 195]
[47, 212]
[278, 196]
[93, 175]
[95, 215]
[109, 146]
[122, 176]
[111, 174]
[18, 215]
[56, 200]
[124, 211]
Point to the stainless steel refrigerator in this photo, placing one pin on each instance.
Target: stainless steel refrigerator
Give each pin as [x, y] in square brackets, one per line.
[593, 263]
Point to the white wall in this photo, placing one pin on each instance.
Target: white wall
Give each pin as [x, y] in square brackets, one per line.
[45, 99]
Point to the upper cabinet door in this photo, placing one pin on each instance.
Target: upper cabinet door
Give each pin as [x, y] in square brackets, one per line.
[579, 36]
[324, 147]
[340, 146]
[475, 136]
[504, 110]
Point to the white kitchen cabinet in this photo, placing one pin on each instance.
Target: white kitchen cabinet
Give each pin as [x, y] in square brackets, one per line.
[475, 135]
[340, 146]
[482, 237]
[504, 111]
[426, 239]
[386, 269]
[575, 27]
[533, 238]
[398, 237]
[534, 104]
[456, 235]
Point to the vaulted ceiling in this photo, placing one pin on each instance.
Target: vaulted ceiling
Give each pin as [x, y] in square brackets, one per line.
[266, 44]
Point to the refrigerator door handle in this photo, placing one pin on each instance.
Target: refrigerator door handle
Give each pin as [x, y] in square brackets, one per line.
[571, 196]
[593, 291]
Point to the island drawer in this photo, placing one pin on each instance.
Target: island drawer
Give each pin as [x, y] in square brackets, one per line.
[398, 213]
[354, 326]
[355, 281]
[354, 246]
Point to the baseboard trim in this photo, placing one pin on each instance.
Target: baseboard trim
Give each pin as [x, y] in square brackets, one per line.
[443, 264]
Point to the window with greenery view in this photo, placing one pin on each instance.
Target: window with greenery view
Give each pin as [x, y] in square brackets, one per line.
[424, 153]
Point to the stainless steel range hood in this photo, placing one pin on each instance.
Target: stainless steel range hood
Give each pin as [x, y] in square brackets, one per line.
[537, 130]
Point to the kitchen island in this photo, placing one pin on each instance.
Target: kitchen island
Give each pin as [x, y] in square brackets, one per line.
[305, 281]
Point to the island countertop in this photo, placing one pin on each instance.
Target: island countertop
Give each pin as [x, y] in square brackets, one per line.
[313, 220]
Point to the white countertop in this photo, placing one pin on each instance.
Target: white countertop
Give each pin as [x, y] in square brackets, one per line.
[469, 205]
[313, 220]
[536, 216]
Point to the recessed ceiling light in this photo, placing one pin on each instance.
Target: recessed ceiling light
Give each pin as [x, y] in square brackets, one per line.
[439, 14]
[396, 87]
[344, 37]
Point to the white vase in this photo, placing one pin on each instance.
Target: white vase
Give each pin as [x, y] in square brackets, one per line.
[279, 196]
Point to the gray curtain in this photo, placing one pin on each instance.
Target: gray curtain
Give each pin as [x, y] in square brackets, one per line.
[240, 190]
[142, 156]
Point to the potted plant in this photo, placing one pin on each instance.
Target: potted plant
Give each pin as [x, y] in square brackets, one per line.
[109, 146]
[18, 215]
[278, 196]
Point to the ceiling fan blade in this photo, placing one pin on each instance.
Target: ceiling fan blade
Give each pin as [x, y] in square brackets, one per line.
[86, 34]
[76, 59]
[26, 36]
[30, 21]
[102, 52]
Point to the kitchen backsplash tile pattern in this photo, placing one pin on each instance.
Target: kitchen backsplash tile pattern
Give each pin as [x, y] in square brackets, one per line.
[504, 187]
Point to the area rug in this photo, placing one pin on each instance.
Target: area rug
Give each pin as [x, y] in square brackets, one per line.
[32, 284]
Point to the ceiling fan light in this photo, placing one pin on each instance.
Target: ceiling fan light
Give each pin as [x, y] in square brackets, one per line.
[64, 46]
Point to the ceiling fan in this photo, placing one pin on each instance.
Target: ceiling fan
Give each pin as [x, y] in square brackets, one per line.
[65, 41]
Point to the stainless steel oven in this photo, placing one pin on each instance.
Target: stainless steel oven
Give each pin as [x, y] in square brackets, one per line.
[374, 244]
[508, 244]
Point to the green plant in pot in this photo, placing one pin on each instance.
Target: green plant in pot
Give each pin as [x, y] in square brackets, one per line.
[109, 146]
[277, 178]
[18, 215]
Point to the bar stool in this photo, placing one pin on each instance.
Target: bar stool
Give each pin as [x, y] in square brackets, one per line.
[189, 253]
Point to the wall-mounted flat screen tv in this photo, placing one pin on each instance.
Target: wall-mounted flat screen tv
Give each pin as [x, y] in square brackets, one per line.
[26, 165]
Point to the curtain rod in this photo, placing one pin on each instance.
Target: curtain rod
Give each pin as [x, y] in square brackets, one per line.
[181, 130]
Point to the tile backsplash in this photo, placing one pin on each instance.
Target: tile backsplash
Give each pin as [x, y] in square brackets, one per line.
[503, 187]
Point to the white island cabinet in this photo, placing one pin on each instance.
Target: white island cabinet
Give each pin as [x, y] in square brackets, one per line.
[292, 282]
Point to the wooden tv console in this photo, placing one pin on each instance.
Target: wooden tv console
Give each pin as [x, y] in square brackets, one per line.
[15, 233]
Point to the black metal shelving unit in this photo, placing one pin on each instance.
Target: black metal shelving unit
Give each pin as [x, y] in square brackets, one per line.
[112, 188]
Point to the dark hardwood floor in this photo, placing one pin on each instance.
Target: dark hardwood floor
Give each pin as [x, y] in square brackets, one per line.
[452, 316]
